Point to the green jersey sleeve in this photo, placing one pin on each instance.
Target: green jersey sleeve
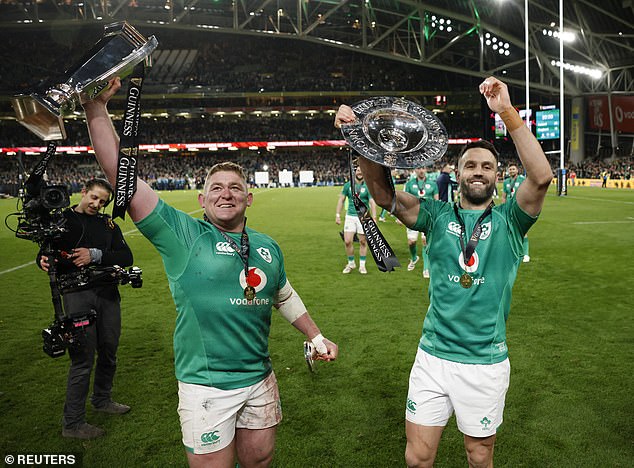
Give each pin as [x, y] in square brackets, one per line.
[172, 232]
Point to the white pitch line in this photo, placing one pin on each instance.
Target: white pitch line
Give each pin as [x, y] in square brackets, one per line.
[17, 268]
[604, 222]
[601, 200]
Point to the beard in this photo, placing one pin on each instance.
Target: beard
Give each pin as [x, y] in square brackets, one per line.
[476, 196]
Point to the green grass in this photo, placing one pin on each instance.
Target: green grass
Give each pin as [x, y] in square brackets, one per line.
[570, 337]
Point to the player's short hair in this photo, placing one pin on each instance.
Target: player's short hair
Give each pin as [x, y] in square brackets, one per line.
[487, 145]
[226, 166]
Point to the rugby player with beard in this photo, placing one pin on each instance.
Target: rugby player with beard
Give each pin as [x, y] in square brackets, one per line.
[475, 249]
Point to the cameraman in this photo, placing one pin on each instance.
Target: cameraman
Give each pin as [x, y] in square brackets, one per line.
[92, 238]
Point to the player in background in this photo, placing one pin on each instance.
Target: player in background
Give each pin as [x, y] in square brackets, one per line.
[509, 188]
[352, 224]
[420, 187]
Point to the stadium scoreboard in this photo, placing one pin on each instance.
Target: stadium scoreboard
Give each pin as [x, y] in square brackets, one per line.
[547, 124]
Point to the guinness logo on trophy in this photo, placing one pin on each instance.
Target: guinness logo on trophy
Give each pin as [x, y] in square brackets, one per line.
[396, 133]
[116, 54]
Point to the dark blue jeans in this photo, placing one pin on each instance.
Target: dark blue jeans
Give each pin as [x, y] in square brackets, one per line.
[101, 337]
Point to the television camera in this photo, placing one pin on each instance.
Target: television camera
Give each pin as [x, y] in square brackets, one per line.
[41, 219]
[68, 332]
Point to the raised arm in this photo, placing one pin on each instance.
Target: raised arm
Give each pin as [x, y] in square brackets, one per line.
[530, 195]
[376, 178]
[105, 142]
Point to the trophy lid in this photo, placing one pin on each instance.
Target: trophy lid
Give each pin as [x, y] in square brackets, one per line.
[396, 133]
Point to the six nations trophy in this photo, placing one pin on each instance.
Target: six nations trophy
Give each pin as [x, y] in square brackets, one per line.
[116, 54]
[394, 133]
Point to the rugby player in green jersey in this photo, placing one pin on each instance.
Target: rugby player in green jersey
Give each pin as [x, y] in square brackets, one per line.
[352, 224]
[509, 187]
[475, 249]
[224, 278]
[421, 188]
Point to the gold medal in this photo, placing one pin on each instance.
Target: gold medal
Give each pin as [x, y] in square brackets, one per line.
[466, 281]
[249, 293]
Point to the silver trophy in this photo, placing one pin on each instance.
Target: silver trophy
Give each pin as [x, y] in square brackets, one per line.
[396, 133]
[116, 54]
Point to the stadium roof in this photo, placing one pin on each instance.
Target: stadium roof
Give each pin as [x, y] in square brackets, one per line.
[473, 38]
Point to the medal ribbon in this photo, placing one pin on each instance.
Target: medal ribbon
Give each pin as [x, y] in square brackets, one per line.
[242, 250]
[128, 147]
[382, 253]
[475, 235]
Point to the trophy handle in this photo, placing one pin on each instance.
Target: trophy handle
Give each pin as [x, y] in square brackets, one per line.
[121, 70]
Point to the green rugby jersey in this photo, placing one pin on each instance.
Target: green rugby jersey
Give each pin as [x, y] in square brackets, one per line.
[432, 176]
[220, 338]
[362, 191]
[421, 188]
[511, 185]
[469, 325]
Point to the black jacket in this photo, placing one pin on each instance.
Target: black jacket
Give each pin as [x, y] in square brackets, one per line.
[92, 232]
[445, 186]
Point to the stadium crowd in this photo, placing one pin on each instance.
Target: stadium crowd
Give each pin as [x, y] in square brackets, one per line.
[174, 171]
[209, 128]
[621, 168]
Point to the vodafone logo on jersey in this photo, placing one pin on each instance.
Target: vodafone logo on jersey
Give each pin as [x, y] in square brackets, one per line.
[473, 264]
[256, 278]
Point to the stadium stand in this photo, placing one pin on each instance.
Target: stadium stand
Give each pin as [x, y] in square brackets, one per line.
[250, 67]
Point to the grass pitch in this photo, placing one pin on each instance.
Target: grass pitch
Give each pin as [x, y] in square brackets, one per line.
[570, 337]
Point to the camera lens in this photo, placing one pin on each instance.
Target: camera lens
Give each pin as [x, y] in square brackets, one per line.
[55, 197]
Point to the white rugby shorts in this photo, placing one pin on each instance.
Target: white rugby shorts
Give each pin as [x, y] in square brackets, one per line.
[209, 416]
[352, 224]
[475, 392]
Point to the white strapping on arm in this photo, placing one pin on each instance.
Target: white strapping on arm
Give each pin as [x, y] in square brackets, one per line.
[289, 303]
[320, 346]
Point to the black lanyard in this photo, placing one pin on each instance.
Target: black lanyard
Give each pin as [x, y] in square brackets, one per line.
[475, 235]
[243, 249]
